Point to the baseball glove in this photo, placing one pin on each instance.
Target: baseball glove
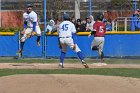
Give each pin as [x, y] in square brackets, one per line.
[74, 47]
[33, 33]
[29, 35]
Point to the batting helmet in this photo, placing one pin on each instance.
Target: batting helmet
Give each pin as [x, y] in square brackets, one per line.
[100, 16]
[66, 16]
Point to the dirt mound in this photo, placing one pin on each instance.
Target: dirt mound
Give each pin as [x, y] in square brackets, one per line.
[68, 84]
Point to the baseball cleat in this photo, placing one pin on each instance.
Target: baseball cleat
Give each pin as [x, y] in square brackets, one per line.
[60, 66]
[102, 61]
[19, 53]
[85, 64]
[38, 43]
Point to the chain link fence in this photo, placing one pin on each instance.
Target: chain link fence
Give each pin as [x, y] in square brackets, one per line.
[12, 9]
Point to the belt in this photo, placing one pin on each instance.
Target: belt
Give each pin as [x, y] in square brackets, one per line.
[98, 36]
[65, 37]
[29, 27]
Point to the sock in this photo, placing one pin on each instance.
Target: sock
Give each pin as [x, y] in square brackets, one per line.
[80, 55]
[62, 57]
[102, 55]
[38, 38]
[21, 45]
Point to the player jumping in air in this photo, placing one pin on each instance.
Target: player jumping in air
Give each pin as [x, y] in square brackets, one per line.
[30, 27]
[99, 30]
[67, 37]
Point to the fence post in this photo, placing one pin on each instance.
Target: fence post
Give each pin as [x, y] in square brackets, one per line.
[116, 26]
[113, 25]
[0, 15]
[125, 24]
[44, 33]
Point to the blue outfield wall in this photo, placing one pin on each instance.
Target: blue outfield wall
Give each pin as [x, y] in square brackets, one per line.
[115, 45]
[9, 46]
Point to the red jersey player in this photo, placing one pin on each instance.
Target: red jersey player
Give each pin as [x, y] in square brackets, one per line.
[99, 30]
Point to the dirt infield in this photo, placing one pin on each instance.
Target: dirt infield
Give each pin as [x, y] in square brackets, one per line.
[68, 84]
[67, 65]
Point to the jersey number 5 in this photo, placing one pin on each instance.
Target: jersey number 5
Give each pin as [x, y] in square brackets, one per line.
[65, 27]
[101, 29]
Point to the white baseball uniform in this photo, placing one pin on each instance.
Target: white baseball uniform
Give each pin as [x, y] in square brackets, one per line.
[66, 28]
[30, 18]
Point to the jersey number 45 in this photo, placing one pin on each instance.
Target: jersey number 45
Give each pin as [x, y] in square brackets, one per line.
[65, 27]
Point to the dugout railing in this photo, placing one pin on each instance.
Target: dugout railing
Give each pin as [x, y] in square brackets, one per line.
[123, 23]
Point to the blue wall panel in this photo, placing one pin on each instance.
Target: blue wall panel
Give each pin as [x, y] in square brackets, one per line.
[8, 45]
[115, 45]
[31, 49]
[122, 45]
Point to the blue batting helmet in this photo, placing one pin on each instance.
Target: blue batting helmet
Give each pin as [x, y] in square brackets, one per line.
[66, 16]
[100, 16]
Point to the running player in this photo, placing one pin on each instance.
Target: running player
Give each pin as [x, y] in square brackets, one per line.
[67, 37]
[99, 30]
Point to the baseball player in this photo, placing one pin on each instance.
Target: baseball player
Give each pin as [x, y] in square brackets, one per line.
[99, 30]
[31, 27]
[67, 37]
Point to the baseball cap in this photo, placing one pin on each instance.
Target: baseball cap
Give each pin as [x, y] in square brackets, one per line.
[138, 10]
[29, 5]
[52, 21]
[78, 20]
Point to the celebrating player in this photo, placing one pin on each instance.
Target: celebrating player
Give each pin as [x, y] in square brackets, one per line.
[99, 30]
[67, 37]
[30, 27]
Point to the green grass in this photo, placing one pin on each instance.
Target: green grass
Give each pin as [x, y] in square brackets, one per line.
[125, 72]
[74, 60]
